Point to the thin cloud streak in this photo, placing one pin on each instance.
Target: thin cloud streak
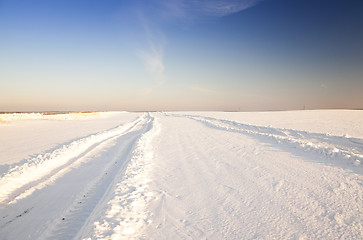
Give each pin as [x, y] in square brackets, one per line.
[191, 9]
[154, 64]
[221, 8]
[153, 57]
[179, 10]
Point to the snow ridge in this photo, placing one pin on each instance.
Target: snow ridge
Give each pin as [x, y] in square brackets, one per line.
[21, 181]
[344, 147]
[187, 176]
[125, 215]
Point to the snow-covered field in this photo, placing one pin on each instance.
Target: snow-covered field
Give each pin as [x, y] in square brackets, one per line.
[182, 175]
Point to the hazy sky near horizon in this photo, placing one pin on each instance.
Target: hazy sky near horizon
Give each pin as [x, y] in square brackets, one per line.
[61, 55]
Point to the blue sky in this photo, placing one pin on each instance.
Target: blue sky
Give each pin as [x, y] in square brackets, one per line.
[61, 55]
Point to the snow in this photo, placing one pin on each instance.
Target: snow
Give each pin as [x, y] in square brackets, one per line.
[182, 175]
[29, 135]
[10, 117]
[334, 122]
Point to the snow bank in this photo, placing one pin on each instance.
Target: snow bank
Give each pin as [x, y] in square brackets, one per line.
[126, 213]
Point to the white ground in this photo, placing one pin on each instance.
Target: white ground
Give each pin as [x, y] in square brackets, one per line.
[195, 175]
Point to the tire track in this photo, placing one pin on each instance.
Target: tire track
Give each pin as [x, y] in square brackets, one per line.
[350, 149]
[97, 194]
[22, 181]
[122, 212]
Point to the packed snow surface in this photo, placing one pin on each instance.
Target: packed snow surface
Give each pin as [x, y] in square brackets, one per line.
[182, 175]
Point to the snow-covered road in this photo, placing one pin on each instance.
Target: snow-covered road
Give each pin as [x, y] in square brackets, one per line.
[188, 176]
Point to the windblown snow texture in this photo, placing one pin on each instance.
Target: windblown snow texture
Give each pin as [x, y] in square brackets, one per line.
[182, 176]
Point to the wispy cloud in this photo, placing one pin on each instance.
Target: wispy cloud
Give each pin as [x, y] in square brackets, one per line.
[153, 55]
[185, 9]
[221, 7]
[167, 12]
[154, 64]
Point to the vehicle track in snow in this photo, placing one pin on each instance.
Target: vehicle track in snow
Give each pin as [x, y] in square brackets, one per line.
[122, 213]
[78, 176]
[21, 181]
[214, 183]
[336, 147]
[175, 176]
